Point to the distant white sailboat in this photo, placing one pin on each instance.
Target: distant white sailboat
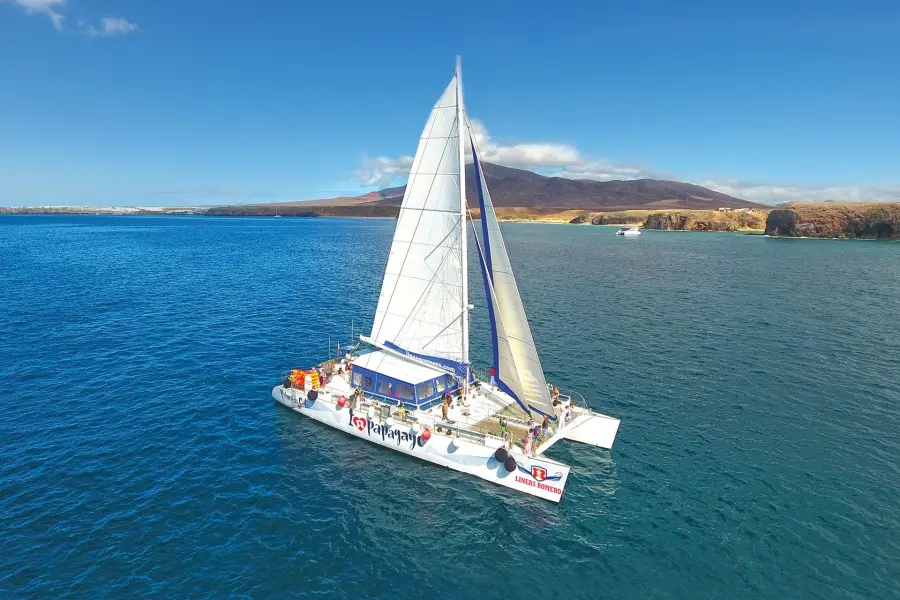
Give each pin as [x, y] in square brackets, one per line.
[277, 216]
[412, 388]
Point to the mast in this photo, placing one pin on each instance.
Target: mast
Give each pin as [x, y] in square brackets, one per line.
[460, 120]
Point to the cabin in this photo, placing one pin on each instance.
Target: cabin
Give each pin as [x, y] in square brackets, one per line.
[395, 379]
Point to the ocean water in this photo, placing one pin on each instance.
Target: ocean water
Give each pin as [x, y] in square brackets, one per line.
[141, 454]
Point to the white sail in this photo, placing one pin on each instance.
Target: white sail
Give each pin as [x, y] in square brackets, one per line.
[422, 304]
[517, 366]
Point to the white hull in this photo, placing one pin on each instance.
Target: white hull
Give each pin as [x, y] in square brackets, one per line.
[539, 477]
[634, 231]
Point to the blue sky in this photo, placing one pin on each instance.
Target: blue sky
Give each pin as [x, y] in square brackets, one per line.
[197, 102]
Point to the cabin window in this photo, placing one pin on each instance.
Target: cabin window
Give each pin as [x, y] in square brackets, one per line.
[425, 390]
[385, 388]
[368, 384]
[404, 392]
[451, 382]
[440, 385]
[357, 379]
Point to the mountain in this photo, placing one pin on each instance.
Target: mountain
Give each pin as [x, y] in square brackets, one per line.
[520, 194]
[517, 187]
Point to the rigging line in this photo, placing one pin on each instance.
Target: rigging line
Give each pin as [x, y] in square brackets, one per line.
[438, 245]
[425, 291]
[375, 335]
[433, 121]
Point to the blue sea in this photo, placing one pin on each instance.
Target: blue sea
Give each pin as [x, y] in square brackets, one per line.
[141, 454]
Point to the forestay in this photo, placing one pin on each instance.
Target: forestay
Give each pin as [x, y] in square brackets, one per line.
[420, 308]
[518, 368]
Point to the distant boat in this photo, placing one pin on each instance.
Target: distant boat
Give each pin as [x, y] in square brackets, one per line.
[277, 216]
[409, 385]
[629, 231]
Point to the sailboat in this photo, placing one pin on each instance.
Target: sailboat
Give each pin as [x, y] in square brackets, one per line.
[409, 385]
[276, 213]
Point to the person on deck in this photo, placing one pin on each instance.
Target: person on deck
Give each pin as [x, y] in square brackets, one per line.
[545, 426]
[503, 426]
[555, 394]
[567, 413]
[401, 411]
[354, 400]
[445, 406]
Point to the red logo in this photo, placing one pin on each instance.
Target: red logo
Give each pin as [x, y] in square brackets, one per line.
[359, 423]
[539, 473]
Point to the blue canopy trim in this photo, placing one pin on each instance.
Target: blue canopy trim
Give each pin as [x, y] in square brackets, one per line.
[374, 383]
[461, 369]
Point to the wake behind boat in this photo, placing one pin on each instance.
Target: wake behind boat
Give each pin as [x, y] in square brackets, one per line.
[628, 231]
[409, 385]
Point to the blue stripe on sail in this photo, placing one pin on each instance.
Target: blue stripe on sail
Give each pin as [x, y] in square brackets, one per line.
[485, 263]
[487, 271]
[460, 369]
[484, 231]
[505, 388]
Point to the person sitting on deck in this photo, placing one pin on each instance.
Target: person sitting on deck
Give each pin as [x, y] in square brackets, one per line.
[545, 426]
[526, 445]
[555, 394]
[503, 425]
[401, 411]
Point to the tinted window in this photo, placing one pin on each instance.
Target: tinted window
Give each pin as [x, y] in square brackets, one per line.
[368, 384]
[440, 384]
[357, 379]
[425, 389]
[385, 388]
[404, 392]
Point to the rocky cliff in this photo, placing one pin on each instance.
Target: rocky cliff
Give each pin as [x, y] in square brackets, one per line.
[705, 220]
[833, 220]
[625, 217]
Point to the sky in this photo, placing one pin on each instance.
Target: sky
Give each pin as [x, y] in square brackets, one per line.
[130, 102]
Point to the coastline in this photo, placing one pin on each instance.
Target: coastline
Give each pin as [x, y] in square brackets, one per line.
[879, 221]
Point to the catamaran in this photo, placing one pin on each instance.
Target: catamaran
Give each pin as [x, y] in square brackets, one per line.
[409, 385]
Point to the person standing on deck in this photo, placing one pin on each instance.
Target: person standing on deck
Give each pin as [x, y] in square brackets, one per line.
[566, 413]
[354, 401]
[445, 406]
[491, 373]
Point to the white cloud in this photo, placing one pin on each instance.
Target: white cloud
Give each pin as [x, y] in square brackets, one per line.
[112, 26]
[534, 155]
[53, 9]
[50, 8]
[564, 160]
[769, 193]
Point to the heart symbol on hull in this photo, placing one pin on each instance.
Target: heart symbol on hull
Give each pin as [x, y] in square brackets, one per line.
[359, 423]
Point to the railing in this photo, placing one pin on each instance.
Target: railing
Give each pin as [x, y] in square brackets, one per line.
[375, 401]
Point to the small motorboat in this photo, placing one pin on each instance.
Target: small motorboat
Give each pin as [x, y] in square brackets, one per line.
[629, 231]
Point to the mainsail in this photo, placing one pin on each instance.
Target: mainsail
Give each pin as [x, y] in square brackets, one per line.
[423, 306]
[517, 367]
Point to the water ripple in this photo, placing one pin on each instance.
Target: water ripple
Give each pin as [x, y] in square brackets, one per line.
[141, 454]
